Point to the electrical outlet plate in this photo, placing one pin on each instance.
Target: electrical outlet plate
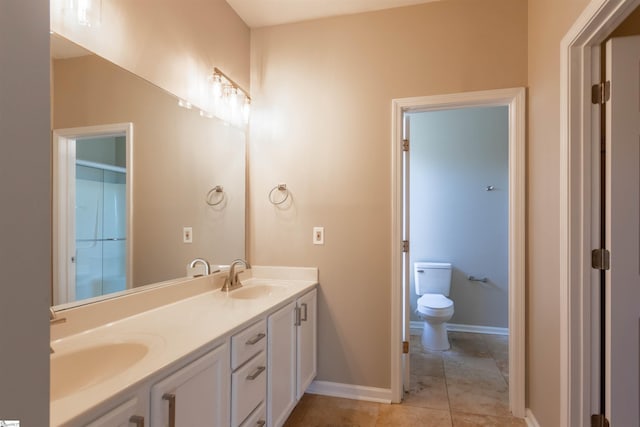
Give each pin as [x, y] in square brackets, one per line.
[187, 235]
[318, 235]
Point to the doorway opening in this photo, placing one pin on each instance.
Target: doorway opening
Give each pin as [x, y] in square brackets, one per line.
[92, 212]
[513, 102]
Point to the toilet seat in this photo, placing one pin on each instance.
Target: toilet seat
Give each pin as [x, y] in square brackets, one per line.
[436, 305]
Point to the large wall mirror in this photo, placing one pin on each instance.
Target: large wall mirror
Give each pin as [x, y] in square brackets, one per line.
[141, 185]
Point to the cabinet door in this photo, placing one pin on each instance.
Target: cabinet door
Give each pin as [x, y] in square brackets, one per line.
[125, 415]
[307, 339]
[281, 353]
[200, 391]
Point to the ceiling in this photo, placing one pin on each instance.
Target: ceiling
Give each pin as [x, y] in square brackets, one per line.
[261, 13]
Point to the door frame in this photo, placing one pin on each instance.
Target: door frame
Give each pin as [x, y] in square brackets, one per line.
[514, 98]
[579, 202]
[63, 141]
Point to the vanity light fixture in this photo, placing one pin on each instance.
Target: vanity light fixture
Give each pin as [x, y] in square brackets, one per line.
[231, 102]
[84, 12]
[185, 104]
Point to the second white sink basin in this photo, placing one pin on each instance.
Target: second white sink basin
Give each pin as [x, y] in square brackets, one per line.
[257, 291]
[79, 369]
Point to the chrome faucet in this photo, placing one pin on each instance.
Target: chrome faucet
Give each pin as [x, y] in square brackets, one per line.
[232, 281]
[207, 269]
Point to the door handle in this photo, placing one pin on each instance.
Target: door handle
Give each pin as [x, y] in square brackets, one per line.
[171, 398]
[304, 316]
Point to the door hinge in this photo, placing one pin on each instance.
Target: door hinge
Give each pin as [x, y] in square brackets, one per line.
[600, 93]
[405, 347]
[599, 420]
[600, 259]
[405, 246]
[405, 145]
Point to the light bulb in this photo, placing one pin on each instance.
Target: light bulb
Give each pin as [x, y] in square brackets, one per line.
[246, 110]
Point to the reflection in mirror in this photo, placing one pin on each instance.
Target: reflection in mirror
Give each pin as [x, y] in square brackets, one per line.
[132, 172]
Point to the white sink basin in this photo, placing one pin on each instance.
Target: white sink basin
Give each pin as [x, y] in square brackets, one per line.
[257, 291]
[79, 369]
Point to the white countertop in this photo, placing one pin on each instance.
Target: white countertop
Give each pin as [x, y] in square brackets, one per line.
[171, 332]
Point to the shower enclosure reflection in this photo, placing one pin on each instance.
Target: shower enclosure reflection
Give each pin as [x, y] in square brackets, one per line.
[100, 214]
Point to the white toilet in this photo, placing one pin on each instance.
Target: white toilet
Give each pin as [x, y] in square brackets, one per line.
[433, 282]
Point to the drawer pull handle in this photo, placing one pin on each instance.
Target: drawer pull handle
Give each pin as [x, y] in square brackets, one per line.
[256, 373]
[172, 408]
[137, 420]
[297, 316]
[304, 316]
[255, 339]
[261, 423]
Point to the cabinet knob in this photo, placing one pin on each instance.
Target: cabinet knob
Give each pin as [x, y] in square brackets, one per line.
[137, 420]
[304, 316]
[171, 398]
[261, 423]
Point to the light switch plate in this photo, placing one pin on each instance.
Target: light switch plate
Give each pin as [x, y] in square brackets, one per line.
[187, 235]
[318, 235]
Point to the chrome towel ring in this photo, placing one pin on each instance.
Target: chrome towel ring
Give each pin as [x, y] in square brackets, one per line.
[218, 192]
[281, 188]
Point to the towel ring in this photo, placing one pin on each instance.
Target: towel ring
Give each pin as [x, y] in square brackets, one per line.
[219, 190]
[279, 187]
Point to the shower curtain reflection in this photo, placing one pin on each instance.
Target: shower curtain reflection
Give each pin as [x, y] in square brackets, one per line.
[100, 229]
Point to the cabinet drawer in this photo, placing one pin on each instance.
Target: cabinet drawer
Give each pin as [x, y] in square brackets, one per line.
[257, 418]
[248, 343]
[248, 388]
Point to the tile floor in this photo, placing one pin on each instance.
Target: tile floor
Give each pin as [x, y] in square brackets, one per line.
[463, 387]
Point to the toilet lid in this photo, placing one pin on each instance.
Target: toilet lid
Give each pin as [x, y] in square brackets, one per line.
[434, 301]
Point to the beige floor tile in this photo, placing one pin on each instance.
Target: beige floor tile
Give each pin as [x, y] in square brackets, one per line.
[498, 346]
[467, 344]
[323, 411]
[410, 416]
[475, 420]
[478, 396]
[429, 364]
[472, 368]
[427, 392]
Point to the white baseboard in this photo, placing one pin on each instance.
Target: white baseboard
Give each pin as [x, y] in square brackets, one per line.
[416, 328]
[530, 419]
[350, 391]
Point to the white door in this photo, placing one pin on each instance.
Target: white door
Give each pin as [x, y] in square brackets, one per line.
[406, 300]
[622, 404]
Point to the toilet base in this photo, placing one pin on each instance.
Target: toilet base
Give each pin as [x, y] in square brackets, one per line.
[435, 336]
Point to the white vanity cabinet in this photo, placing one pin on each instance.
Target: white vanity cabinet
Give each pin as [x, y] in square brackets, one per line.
[195, 395]
[249, 376]
[133, 412]
[291, 349]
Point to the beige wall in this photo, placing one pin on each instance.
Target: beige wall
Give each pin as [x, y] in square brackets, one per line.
[178, 156]
[25, 227]
[174, 44]
[321, 123]
[549, 21]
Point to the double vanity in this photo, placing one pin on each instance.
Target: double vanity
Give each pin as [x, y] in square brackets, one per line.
[188, 354]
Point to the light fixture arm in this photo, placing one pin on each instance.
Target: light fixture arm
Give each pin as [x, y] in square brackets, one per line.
[217, 71]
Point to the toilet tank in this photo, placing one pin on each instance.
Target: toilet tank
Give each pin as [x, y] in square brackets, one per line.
[432, 278]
